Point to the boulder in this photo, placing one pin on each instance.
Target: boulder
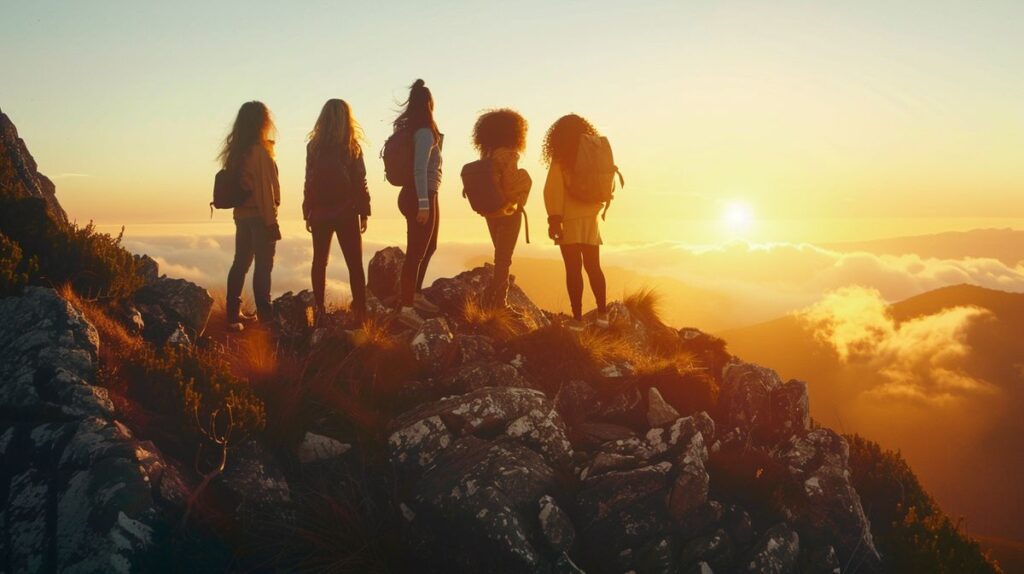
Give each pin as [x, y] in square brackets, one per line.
[26, 180]
[316, 447]
[433, 345]
[253, 486]
[147, 268]
[776, 551]
[480, 375]
[825, 508]
[451, 294]
[659, 412]
[556, 525]
[166, 302]
[755, 400]
[293, 313]
[473, 348]
[384, 273]
[82, 494]
[709, 351]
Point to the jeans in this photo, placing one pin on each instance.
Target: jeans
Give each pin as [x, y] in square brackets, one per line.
[577, 257]
[504, 235]
[421, 243]
[346, 227]
[252, 241]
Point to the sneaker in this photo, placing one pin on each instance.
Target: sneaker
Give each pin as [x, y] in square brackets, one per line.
[244, 317]
[420, 303]
[409, 317]
[575, 325]
[601, 320]
[235, 326]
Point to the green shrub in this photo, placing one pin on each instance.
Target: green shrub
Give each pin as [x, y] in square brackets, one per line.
[94, 263]
[910, 530]
[13, 273]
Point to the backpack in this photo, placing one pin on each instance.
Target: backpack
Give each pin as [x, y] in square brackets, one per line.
[329, 180]
[397, 154]
[593, 176]
[480, 186]
[228, 192]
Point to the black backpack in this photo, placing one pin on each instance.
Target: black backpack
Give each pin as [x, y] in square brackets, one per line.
[397, 154]
[228, 192]
[480, 186]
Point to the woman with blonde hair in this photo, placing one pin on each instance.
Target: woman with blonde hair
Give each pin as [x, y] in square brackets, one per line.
[248, 153]
[336, 200]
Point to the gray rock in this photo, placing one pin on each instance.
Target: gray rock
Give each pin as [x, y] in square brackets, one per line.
[179, 338]
[315, 447]
[477, 376]
[293, 313]
[148, 269]
[255, 485]
[821, 560]
[776, 552]
[433, 344]
[166, 302]
[473, 348]
[27, 181]
[451, 294]
[755, 400]
[384, 273]
[555, 524]
[659, 412]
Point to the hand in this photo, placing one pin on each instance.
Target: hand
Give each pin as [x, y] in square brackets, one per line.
[423, 215]
[274, 231]
[309, 226]
[362, 223]
[555, 227]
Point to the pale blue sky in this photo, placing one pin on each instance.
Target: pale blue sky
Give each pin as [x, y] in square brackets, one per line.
[804, 110]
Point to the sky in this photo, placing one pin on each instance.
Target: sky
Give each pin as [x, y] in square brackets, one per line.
[782, 121]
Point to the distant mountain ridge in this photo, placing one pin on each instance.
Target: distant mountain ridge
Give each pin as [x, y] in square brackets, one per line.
[1005, 245]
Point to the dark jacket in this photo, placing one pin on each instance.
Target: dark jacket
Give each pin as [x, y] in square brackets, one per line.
[335, 183]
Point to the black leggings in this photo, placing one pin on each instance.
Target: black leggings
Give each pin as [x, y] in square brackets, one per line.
[346, 227]
[578, 257]
[421, 243]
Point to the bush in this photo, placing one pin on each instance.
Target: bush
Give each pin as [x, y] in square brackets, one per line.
[910, 530]
[689, 391]
[94, 263]
[13, 274]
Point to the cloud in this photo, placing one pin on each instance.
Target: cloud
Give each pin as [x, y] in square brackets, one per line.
[922, 359]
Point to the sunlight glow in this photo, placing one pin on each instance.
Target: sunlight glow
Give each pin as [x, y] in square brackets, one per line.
[738, 217]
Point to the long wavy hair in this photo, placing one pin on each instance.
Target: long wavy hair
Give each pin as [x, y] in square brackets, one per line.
[563, 139]
[499, 128]
[417, 110]
[253, 126]
[336, 128]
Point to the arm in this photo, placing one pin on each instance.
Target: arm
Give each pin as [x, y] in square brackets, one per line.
[423, 142]
[305, 187]
[266, 190]
[554, 192]
[361, 188]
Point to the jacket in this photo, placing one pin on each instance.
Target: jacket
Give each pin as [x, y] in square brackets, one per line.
[327, 167]
[259, 176]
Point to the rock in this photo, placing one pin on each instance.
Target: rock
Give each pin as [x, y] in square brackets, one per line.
[821, 560]
[473, 348]
[315, 447]
[624, 404]
[709, 351]
[690, 487]
[26, 181]
[555, 524]
[433, 344]
[293, 313]
[148, 269]
[755, 400]
[82, 494]
[776, 552]
[716, 550]
[179, 338]
[451, 294]
[825, 508]
[576, 400]
[132, 319]
[175, 301]
[480, 375]
[384, 273]
[254, 486]
[658, 411]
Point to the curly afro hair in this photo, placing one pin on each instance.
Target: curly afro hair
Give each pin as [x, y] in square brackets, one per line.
[563, 139]
[499, 128]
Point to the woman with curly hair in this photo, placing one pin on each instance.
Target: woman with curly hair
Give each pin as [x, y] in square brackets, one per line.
[248, 151]
[500, 135]
[336, 200]
[572, 223]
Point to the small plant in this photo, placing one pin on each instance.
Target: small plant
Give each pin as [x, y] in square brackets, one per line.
[645, 304]
[13, 273]
[500, 323]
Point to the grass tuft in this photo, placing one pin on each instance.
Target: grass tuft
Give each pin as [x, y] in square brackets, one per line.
[646, 304]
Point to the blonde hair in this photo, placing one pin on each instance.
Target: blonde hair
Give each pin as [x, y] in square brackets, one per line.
[336, 127]
[253, 126]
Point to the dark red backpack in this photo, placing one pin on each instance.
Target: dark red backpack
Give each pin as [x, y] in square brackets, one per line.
[397, 154]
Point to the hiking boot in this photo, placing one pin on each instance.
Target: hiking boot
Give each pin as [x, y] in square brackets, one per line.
[235, 326]
[409, 317]
[601, 320]
[575, 325]
[420, 303]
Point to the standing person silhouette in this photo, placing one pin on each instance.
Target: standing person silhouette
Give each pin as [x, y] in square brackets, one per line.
[248, 151]
[418, 202]
[573, 223]
[500, 135]
[336, 201]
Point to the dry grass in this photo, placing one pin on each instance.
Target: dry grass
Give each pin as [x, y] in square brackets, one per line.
[646, 304]
[115, 339]
[498, 323]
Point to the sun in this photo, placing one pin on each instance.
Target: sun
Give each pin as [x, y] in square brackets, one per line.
[738, 217]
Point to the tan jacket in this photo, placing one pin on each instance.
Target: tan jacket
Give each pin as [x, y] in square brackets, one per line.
[259, 176]
[579, 219]
[513, 182]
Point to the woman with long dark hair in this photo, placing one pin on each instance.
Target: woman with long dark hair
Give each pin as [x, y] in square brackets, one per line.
[418, 202]
[336, 200]
[248, 151]
[572, 223]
